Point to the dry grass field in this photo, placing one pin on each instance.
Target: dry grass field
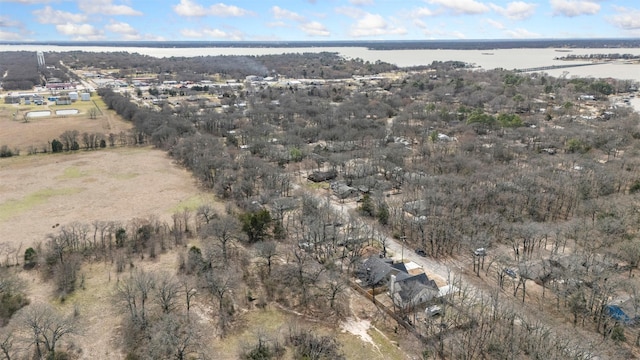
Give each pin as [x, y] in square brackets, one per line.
[38, 131]
[38, 192]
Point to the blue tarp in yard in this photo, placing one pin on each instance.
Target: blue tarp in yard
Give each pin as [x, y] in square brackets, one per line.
[617, 313]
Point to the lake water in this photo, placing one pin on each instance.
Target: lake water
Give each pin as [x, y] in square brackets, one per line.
[485, 59]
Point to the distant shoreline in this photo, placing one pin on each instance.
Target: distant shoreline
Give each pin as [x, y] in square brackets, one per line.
[544, 59]
[371, 45]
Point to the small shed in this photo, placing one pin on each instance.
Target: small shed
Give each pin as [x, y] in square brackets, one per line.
[85, 96]
[73, 95]
[63, 100]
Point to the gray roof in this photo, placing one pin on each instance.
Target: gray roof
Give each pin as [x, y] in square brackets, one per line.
[412, 286]
[375, 270]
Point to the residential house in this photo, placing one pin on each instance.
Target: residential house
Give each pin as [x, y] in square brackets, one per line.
[343, 191]
[408, 285]
[320, 176]
[375, 271]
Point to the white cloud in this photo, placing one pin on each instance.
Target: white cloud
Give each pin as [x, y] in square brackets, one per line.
[211, 33]
[420, 24]
[572, 8]
[361, 2]
[521, 34]
[626, 19]
[495, 24]
[215, 33]
[516, 10]
[105, 7]
[224, 10]
[280, 13]
[8, 35]
[121, 28]
[79, 31]
[462, 7]
[315, 28]
[422, 12]
[190, 8]
[48, 15]
[6, 22]
[374, 25]
[190, 33]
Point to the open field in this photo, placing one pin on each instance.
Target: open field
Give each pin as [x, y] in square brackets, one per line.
[38, 131]
[40, 191]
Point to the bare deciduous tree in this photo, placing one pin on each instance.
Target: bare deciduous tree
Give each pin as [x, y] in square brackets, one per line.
[167, 290]
[189, 290]
[267, 250]
[46, 328]
[7, 343]
[174, 337]
[224, 231]
[220, 286]
[134, 293]
[204, 215]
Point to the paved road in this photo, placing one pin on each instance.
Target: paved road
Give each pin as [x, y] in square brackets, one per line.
[435, 269]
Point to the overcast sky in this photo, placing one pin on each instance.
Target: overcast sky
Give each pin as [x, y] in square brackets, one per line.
[319, 20]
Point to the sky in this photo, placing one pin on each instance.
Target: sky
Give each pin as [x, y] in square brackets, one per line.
[315, 20]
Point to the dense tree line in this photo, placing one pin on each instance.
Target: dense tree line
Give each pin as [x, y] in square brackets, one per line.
[20, 70]
[309, 65]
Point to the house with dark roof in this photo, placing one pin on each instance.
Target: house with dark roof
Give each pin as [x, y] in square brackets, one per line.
[343, 191]
[375, 271]
[320, 176]
[409, 291]
[408, 285]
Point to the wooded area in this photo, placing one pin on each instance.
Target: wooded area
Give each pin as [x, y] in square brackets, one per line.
[447, 160]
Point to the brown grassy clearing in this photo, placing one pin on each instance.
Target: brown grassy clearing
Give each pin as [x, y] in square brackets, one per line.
[40, 191]
[37, 132]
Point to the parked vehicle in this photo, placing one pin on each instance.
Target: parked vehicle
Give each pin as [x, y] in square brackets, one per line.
[510, 272]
